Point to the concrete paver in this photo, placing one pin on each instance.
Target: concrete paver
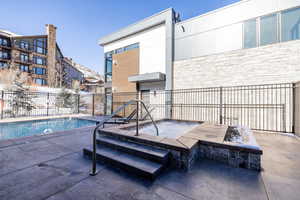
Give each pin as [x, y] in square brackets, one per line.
[53, 168]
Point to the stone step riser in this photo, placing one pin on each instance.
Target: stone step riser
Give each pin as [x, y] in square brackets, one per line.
[115, 163]
[148, 156]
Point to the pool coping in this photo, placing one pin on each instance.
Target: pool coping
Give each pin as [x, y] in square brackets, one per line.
[37, 118]
[27, 139]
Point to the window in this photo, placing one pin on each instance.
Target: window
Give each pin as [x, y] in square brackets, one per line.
[40, 50]
[40, 81]
[4, 42]
[250, 34]
[108, 77]
[24, 45]
[4, 55]
[132, 46]
[39, 60]
[40, 45]
[109, 54]
[39, 70]
[24, 68]
[290, 24]
[24, 57]
[268, 29]
[3, 65]
[108, 67]
[120, 50]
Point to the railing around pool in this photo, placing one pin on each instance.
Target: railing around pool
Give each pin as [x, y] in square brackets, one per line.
[99, 125]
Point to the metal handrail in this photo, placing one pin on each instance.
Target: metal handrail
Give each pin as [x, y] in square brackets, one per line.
[148, 113]
[94, 155]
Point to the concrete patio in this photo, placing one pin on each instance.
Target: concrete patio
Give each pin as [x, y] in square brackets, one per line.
[52, 167]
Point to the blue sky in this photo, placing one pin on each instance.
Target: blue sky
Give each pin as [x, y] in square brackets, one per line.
[80, 23]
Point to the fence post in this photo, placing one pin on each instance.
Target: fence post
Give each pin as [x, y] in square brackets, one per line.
[2, 103]
[181, 117]
[137, 119]
[284, 119]
[139, 97]
[78, 103]
[296, 108]
[221, 105]
[48, 104]
[93, 100]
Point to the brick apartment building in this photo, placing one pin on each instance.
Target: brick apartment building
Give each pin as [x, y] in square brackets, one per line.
[39, 56]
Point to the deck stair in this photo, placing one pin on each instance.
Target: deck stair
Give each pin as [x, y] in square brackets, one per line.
[140, 159]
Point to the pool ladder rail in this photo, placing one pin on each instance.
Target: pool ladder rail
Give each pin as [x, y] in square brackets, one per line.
[100, 124]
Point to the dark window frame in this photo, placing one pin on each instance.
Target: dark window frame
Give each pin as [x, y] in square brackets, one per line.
[3, 65]
[43, 81]
[4, 54]
[24, 68]
[23, 56]
[23, 44]
[42, 59]
[40, 44]
[39, 70]
[4, 41]
[108, 64]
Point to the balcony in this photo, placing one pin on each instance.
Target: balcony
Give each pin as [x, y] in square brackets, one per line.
[4, 66]
[5, 46]
[27, 50]
[5, 58]
[23, 61]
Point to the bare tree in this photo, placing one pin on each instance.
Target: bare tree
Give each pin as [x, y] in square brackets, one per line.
[11, 77]
[19, 102]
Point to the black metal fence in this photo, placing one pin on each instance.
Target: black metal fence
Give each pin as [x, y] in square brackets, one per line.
[30, 104]
[267, 107]
[263, 107]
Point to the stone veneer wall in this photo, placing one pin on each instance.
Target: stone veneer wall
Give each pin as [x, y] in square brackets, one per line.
[277, 63]
[235, 158]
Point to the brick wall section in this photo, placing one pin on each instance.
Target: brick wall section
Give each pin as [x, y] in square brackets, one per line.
[275, 63]
[297, 109]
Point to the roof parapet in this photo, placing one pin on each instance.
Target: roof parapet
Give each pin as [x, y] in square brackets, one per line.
[149, 22]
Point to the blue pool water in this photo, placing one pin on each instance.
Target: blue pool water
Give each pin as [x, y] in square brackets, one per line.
[39, 127]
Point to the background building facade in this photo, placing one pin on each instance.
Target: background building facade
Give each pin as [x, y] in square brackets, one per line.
[72, 77]
[39, 56]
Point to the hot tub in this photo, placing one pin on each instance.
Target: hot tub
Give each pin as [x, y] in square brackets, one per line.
[167, 128]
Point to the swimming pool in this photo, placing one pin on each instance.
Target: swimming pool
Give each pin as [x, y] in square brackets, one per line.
[38, 127]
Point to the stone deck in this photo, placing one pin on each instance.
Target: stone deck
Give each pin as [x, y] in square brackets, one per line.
[52, 167]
